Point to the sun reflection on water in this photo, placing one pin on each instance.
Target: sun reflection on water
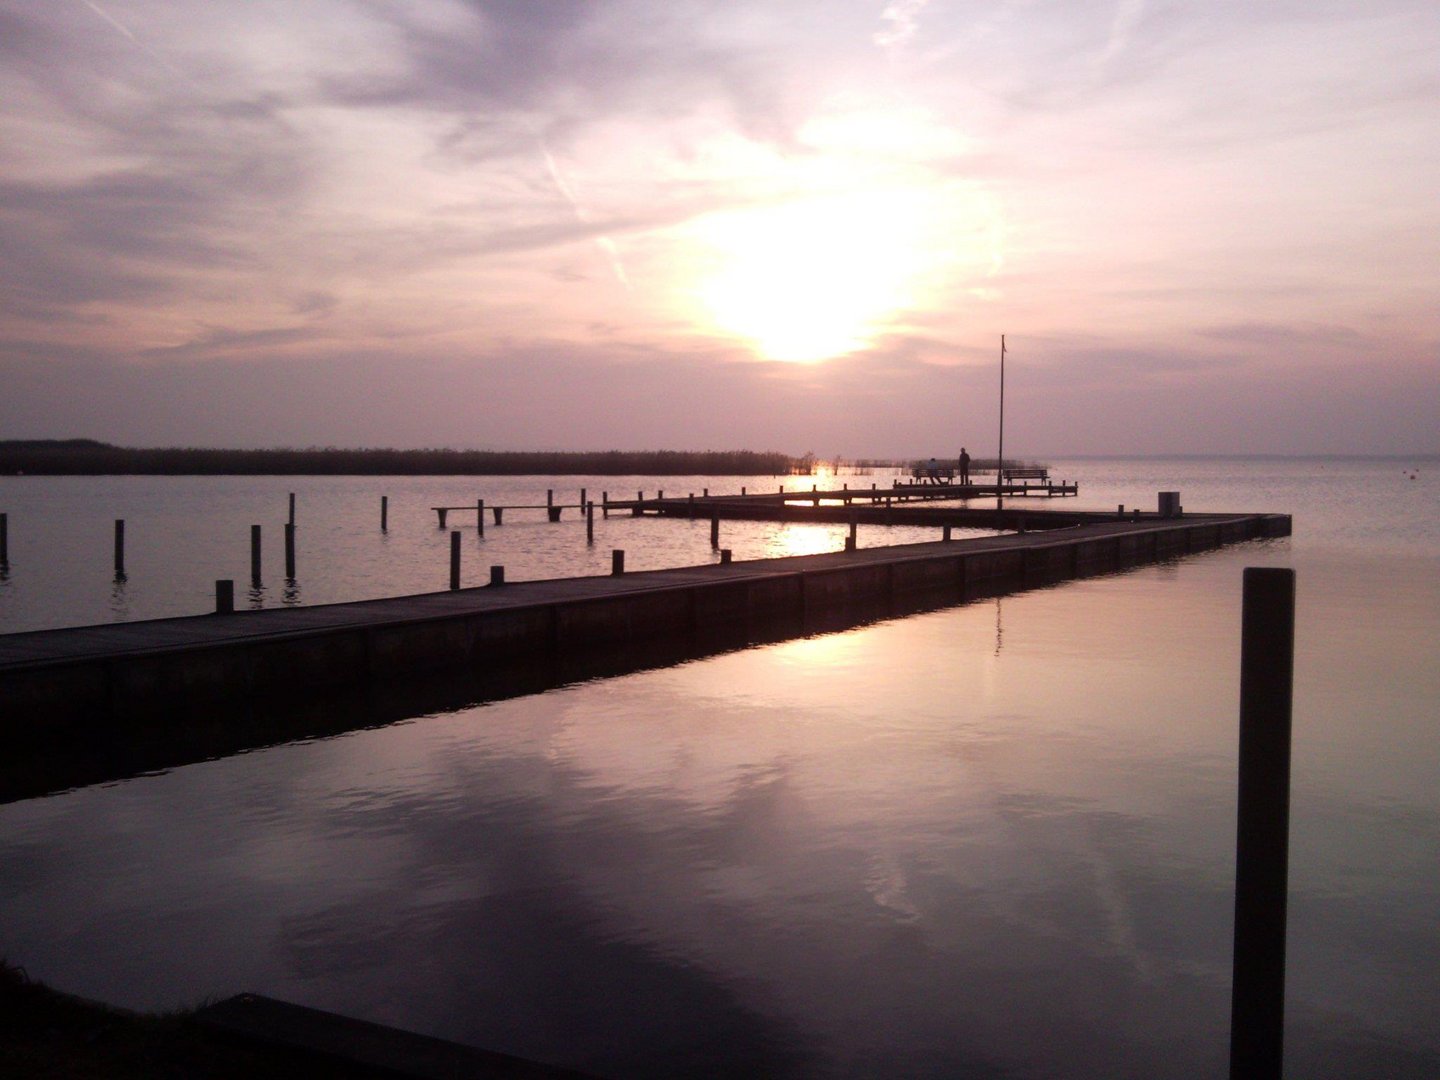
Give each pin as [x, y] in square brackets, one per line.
[799, 539]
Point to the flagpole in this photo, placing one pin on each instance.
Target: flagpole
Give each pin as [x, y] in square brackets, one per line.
[1000, 465]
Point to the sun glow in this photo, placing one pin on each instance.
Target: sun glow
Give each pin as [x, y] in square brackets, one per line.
[805, 281]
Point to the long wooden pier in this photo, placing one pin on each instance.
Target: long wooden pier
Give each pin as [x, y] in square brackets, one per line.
[898, 494]
[55, 684]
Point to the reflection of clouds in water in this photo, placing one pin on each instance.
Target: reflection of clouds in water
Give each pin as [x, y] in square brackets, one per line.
[886, 883]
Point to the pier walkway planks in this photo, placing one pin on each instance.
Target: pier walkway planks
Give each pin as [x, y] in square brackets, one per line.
[54, 679]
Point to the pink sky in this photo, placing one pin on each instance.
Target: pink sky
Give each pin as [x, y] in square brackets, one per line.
[592, 224]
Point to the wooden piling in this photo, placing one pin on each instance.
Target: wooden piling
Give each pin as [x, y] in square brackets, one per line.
[290, 551]
[714, 531]
[582, 498]
[605, 504]
[617, 562]
[455, 559]
[945, 535]
[724, 556]
[442, 511]
[119, 548]
[384, 513]
[1267, 660]
[224, 597]
[255, 556]
[480, 516]
[4, 539]
[852, 540]
[497, 575]
[590, 522]
[292, 508]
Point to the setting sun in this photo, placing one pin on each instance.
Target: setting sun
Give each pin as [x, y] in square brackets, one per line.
[809, 280]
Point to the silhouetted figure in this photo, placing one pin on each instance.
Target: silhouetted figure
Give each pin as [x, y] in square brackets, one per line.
[933, 471]
[964, 466]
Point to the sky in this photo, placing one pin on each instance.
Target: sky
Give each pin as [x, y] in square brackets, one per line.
[796, 225]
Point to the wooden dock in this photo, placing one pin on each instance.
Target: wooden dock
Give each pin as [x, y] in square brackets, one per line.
[58, 683]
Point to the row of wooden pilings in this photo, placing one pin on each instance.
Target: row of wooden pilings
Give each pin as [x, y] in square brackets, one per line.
[225, 588]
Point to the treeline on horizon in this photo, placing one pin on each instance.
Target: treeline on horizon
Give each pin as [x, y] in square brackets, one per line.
[88, 457]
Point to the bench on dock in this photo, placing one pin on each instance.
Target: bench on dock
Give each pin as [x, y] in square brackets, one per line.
[1028, 473]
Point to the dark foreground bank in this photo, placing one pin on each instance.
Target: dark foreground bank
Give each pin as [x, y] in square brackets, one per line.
[46, 1033]
[87, 457]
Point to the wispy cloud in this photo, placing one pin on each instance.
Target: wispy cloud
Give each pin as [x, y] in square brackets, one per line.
[901, 19]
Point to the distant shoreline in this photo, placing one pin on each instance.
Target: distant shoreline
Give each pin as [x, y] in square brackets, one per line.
[86, 457]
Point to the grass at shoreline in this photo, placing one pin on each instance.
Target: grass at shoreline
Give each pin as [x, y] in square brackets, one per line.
[44, 1033]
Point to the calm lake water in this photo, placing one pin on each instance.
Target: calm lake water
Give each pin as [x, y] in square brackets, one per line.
[994, 840]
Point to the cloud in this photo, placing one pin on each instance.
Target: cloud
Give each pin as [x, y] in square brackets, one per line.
[901, 19]
[1150, 197]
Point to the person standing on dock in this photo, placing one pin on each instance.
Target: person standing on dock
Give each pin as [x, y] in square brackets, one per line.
[932, 471]
[964, 466]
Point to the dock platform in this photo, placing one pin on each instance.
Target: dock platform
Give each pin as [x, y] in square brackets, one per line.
[55, 683]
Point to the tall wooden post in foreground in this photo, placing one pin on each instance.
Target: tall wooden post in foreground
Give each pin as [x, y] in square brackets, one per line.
[1000, 465]
[1262, 844]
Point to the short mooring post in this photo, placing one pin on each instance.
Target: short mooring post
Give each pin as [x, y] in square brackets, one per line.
[4, 539]
[590, 522]
[455, 559]
[851, 540]
[290, 550]
[480, 516]
[946, 535]
[582, 499]
[255, 556]
[714, 531]
[119, 549]
[224, 597]
[384, 513]
[497, 575]
[617, 562]
[1267, 661]
[724, 556]
[605, 504]
[292, 508]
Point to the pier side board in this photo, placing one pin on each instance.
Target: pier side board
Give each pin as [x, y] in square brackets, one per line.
[61, 684]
